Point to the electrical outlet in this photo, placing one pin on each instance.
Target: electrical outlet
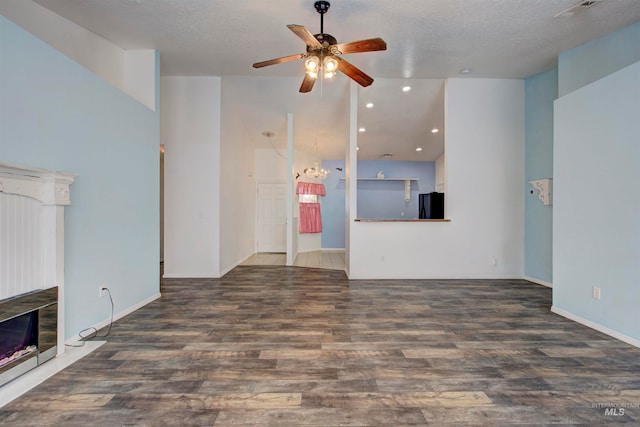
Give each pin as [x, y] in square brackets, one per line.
[102, 291]
[596, 292]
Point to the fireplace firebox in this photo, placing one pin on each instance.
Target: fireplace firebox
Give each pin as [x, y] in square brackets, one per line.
[28, 332]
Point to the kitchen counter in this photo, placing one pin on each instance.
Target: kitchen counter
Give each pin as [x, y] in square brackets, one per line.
[399, 220]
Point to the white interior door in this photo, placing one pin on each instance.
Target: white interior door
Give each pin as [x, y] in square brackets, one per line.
[272, 217]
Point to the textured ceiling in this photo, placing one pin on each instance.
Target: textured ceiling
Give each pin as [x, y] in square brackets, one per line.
[427, 39]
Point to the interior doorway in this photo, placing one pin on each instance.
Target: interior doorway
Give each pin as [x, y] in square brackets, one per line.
[272, 217]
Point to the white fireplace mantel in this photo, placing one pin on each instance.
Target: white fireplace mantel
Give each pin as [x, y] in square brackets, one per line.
[32, 205]
[48, 187]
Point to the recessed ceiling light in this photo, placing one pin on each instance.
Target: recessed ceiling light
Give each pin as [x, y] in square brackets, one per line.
[418, 149]
[434, 130]
[406, 89]
[369, 105]
[465, 71]
[357, 148]
[361, 130]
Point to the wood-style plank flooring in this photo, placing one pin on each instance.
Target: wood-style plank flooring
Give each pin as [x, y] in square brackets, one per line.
[288, 346]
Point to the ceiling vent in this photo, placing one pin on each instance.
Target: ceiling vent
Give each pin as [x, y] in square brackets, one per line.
[577, 8]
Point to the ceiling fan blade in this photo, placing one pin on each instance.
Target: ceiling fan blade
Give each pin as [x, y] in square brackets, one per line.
[353, 72]
[307, 83]
[278, 60]
[305, 35]
[369, 45]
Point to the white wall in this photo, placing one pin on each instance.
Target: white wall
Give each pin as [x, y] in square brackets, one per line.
[161, 207]
[190, 131]
[485, 197]
[133, 72]
[237, 195]
[351, 175]
[269, 166]
[441, 174]
[138, 66]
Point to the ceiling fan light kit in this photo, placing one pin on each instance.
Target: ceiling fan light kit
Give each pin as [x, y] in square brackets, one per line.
[323, 53]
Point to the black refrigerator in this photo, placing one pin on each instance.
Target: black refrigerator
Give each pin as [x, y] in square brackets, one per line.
[431, 206]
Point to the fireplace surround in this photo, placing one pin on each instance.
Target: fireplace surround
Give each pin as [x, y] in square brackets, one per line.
[32, 203]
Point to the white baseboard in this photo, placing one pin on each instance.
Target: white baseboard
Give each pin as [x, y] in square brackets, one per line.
[234, 265]
[226, 270]
[241, 261]
[617, 335]
[538, 281]
[116, 316]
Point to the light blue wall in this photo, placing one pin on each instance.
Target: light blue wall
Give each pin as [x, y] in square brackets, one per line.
[386, 199]
[376, 199]
[55, 114]
[596, 224]
[591, 61]
[577, 67]
[596, 229]
[540, 92]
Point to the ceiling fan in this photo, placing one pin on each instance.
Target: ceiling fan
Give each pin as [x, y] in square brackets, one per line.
[323, 53]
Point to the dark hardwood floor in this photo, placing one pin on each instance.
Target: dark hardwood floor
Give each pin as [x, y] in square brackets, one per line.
[292, 346]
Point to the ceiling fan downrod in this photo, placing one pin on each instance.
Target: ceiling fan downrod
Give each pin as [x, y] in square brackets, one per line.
[322, 7]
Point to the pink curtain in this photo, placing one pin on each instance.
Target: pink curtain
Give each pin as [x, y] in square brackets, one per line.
[310, 188]
[310, 219]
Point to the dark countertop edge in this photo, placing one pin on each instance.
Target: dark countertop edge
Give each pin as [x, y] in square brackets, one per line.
[400, 220]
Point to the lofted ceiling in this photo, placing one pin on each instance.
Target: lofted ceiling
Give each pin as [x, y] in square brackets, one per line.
[428, 41]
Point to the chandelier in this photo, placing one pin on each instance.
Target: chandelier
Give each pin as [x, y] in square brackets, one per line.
[316, 172]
